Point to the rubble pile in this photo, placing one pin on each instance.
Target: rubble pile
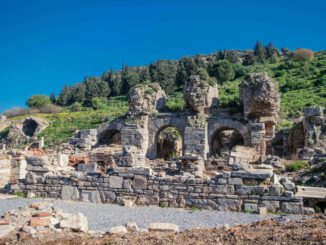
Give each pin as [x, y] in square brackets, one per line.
[40, 218]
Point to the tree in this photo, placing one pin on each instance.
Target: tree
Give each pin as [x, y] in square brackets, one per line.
[164, 72]
[260, 52]
[223, 71]
[77, 93]
[186, 68]
[53, 99]
[271, 53]
[129, 78]
[95, 87]
[38, 101]
[64, 96]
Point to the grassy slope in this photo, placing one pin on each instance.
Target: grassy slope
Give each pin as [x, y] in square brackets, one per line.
[296, 81]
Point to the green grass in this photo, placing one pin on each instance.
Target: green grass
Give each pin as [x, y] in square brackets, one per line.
[63, 125]
[295, 166]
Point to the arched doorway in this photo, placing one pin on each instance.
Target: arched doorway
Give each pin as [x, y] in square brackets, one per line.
[109, 136]
[224, 140]
[29, 127]
[169, 143]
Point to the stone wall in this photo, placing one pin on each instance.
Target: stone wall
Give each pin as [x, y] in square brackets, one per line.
[234, 190]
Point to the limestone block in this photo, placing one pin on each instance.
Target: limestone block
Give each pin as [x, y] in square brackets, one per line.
[5, 230]
[147, 200]
[263, 211]
[225, 204]
[251, 207]
[235, 181]
[139, 182]
[90, 196]
[118, 230]
[69, 193]
[292, 207]
[132, 227]
[63, 160]
[75, 222]
[115, 182]
[164, 227]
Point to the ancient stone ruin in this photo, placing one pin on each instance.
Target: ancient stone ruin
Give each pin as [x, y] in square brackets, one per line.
[204, 156]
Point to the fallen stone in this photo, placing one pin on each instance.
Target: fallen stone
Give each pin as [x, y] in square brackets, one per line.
[36, 221]
[5, 230]
[132, 227]
[75, 222]
[118, 230]
[164, 227]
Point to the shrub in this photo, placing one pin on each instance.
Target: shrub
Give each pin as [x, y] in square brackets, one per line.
[175, 103]
[50, 109]
[14, 112]
[75, 107]
[99, 103]
[301, 54]
[223, 71]
[38, 101]
[295, 166]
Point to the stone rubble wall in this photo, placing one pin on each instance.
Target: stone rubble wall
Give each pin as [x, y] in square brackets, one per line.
[234, 191]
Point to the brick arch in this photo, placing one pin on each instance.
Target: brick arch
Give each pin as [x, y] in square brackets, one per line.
[109, 129]
[219, 125]
[156, 125]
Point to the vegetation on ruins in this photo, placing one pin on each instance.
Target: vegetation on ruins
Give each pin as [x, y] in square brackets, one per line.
[301, 77]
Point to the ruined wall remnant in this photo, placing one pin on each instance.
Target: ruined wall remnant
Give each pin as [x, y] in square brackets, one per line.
[314, 124]
[199, 96]
[146, 99]
[25, 130]
[259, 96]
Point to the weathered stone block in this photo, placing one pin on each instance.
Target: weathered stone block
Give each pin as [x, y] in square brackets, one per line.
[69, 193]
[229, 204]
[292, 207]
[148, 200]
[90, 196]
[250, 207]
[139, 182]
[235, 181]
[115, 182]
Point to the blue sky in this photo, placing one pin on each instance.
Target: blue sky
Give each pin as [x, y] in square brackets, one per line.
[46, 44]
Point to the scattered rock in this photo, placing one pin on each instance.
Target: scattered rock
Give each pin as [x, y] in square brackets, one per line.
[164, 227]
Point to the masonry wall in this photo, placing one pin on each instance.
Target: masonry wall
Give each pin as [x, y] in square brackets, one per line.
[126, 185]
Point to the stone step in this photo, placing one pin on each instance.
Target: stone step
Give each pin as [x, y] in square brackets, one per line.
[311, 192]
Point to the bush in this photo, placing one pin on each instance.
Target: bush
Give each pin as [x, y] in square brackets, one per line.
[38, 101]
[223, 71]
[75, 107]
[295, 166]
[49, 109]
[99, 103]
[15, 112]
[301, 54]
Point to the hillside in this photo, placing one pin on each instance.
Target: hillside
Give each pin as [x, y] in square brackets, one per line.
[301, 84]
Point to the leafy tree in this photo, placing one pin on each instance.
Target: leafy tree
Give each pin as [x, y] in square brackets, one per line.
[186, 67]
[114, 80]
[53, 99]
[38, 101]
[223, 71]
[129, 78]
[95, 87]
[260, 52]
[271, 53]
[164, 72]
[64, 96]
[77, 93]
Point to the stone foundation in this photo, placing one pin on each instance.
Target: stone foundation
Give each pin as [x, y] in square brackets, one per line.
[139, 187]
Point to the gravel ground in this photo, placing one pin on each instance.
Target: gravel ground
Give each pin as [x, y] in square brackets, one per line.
[103, 216]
